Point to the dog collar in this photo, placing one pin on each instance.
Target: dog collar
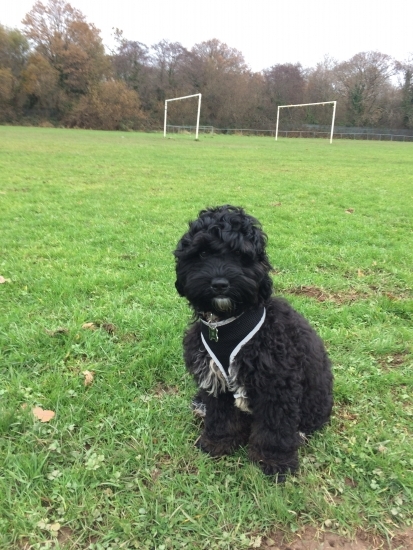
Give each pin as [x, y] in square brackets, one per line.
[213, 325]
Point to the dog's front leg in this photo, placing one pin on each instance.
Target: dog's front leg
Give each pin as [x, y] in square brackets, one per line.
[274, 439]
[225, 427]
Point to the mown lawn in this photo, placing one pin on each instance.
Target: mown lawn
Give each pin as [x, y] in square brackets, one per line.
[88, 221]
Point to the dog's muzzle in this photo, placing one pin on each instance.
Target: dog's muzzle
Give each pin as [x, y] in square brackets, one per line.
[222, 303]
[220, 286]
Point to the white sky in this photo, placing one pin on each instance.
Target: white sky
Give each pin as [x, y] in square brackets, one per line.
[265, 31]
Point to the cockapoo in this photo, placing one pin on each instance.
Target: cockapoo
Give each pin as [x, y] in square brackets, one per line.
[263, 375]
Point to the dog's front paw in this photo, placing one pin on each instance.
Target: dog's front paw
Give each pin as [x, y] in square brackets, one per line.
[273, 469]
[277, 465]
[215, 448]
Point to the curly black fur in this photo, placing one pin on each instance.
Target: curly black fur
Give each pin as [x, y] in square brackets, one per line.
[222, 268]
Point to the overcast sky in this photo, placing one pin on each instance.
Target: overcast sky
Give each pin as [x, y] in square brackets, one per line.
[265, 31]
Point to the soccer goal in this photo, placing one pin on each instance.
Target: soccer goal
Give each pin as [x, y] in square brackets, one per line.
[177, 99]
[305, 105]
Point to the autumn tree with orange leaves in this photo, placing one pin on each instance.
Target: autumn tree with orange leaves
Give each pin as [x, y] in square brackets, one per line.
[70, 46]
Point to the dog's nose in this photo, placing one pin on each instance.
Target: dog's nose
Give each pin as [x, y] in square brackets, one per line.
[219, 284]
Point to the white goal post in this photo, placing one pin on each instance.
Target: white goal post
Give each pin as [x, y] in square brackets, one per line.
[305, 105]
[183, 97]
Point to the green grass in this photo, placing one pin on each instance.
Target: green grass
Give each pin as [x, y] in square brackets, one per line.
[88, 222]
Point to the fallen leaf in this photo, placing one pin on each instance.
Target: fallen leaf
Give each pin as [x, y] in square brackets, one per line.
[360, 273]
[42, 415]
[328, 523]
[89, 326]
[88, 377]
[349, 210]
[3, 280]
[257, 542]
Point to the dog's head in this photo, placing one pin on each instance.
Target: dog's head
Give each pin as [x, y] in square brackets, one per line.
[221, 263]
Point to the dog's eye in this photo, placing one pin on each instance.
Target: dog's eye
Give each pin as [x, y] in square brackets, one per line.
[203, 254]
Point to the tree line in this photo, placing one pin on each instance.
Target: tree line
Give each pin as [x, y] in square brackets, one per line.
[56, 71]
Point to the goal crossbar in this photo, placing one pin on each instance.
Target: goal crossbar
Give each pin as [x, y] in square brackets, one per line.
[176, 99]
[305, 105]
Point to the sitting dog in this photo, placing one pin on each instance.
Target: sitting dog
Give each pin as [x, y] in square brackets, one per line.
[264, 378]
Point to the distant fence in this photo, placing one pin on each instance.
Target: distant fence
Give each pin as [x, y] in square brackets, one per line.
[346, 135]
[190, 129]
[355, 129]
[361, 135]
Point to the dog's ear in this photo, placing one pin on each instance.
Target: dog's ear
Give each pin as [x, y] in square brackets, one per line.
[179, 287]
[265, 289]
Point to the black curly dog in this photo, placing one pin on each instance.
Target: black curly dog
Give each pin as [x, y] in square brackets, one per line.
[263, 374]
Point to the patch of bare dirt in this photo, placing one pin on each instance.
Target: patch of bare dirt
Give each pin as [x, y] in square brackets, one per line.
[399, 294]
[161, 390]
[311, 539]
[322, 295]
[65, 537]
[392, 360]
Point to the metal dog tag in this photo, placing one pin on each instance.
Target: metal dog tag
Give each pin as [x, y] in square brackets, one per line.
[213, 333]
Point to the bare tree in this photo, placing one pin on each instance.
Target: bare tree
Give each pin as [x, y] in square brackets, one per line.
[130, 60]
[285, 83]
[363, 83]
[221, 74]
[168, 59]
[406, 92]
[321, 85]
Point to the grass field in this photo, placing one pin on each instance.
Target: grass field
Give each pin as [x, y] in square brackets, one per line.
[88, 222]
